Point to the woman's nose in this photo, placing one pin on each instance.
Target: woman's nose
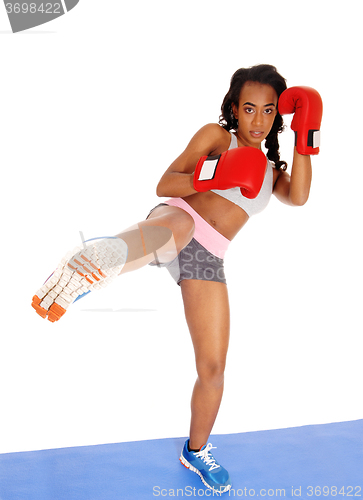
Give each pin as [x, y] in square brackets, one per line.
[257, 119]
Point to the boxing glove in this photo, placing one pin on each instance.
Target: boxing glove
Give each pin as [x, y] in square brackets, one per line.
[243, 167]
[307, 105]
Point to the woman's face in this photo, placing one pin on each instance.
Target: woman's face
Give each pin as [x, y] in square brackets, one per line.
[255, 113]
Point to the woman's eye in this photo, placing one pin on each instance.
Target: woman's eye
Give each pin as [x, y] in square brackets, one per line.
[268, 111]
[249, 110]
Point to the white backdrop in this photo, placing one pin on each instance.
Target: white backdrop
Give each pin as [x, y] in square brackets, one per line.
[94, 107]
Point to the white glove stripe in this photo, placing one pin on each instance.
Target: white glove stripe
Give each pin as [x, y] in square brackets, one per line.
[208, 170]
[316, 139]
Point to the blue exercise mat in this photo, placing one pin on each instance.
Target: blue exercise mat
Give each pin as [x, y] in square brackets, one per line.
[324, 461]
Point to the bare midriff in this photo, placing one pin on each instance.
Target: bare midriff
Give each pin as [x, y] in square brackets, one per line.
[223, 215]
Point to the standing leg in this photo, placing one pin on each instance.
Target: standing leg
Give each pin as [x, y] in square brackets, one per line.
[207, 314]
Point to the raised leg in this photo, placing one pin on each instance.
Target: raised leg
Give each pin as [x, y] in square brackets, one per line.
[160, 237]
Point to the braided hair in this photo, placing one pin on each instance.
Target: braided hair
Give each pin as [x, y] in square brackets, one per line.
[267, 75]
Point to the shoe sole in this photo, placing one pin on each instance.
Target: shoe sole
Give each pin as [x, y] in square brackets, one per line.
[85, 269]
[186, 464]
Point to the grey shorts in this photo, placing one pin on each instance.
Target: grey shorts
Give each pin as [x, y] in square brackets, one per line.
[194, 262]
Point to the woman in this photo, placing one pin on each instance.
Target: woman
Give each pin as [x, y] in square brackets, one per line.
[190, 233]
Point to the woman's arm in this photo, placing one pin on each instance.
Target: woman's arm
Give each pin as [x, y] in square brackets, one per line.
[294, 190]
[177, 181]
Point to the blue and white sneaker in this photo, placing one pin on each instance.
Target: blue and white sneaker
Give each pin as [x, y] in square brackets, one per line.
[212, 474]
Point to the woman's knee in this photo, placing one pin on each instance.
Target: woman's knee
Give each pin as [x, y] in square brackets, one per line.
[183, 226]
[177, 220]
[211, 372]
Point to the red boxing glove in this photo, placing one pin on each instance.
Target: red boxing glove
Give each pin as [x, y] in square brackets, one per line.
[307, 105]
[243, 167]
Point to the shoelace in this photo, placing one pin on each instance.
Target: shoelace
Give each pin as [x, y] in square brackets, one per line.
[207, 457]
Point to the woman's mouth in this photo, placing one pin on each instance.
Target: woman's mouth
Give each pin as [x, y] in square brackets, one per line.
[256, 133]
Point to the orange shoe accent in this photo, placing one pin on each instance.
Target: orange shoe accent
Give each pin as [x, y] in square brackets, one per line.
[183, 464]
[36, 300]
[102, 274]
[55, 312]
[40, 310]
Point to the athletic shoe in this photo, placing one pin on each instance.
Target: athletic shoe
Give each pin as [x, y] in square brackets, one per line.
[213, 475]
[85, 269]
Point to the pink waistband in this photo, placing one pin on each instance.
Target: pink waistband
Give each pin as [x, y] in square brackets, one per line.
[204, 233]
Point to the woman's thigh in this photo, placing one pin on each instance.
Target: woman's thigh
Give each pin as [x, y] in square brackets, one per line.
[176, 219]
[165, 232]
[206, 307]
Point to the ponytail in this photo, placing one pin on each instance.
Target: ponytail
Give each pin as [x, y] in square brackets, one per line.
[272, 143]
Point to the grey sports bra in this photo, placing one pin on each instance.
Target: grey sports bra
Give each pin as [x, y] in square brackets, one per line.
[250, 206]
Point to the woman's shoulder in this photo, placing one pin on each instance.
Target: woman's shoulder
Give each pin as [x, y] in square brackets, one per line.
[217, 137]
[215, 130]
